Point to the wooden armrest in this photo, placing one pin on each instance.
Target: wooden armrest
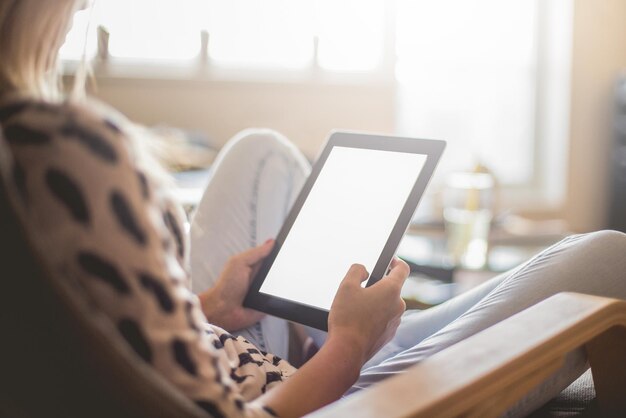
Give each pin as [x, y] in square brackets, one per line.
[487, 373]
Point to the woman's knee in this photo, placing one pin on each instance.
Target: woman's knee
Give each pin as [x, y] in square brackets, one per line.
[605, 243]
[598, 242]
[593, 263]
[580, 263]
[261, 141]
[254, 148]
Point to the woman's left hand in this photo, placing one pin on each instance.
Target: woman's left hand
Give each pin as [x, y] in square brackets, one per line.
[223, 304]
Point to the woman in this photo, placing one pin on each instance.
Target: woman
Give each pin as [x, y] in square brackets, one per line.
[99, 214]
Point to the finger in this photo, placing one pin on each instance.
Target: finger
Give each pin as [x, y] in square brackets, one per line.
[399, 272]
[401, 307]
[357, 274]
[394, 262]
[256, 254]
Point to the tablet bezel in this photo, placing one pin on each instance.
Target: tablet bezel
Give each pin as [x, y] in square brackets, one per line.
[317, 317]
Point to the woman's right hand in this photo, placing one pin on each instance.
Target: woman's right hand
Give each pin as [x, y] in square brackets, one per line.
[361, 321]
[368, 317]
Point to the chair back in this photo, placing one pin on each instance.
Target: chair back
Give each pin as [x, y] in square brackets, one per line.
[61, 357]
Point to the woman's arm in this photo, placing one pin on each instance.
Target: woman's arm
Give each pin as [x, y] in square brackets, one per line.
[322, 380]
[223, 304]
[361, 321]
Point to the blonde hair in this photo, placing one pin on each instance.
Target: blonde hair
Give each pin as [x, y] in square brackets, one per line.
[31, 34]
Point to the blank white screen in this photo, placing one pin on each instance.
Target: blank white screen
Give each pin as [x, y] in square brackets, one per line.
[346, 219]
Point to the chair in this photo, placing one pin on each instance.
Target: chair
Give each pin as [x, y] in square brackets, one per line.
[60, 357]
[488, 372]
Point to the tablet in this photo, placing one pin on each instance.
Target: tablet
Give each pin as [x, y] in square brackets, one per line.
[354, 208]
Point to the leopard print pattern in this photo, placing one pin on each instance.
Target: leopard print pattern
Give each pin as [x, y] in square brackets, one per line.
[107, 225]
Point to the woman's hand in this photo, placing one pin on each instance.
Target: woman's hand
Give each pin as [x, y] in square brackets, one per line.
[368, 317]
[223, 303]
[361, 320]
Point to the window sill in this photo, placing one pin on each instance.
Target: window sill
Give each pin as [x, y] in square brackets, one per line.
[202, 72]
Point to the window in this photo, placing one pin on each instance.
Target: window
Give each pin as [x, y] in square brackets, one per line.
[467, 72]
[284, 34]
[489, 76]
[492, 78]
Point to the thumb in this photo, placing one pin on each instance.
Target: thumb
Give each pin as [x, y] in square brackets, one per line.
[357, 274]
[399, 272]
[256, 254]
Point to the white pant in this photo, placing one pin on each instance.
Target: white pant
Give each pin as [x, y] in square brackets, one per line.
[257, 176]
[254, 181]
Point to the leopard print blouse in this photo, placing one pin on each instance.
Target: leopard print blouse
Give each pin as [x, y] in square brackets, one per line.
[104, 223]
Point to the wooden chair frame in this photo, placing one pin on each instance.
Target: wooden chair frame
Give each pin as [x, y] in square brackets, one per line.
[487, 373]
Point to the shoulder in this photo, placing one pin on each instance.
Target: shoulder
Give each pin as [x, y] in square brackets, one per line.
[65, 159]
[19, 108]
[75, 139]
[30, 122]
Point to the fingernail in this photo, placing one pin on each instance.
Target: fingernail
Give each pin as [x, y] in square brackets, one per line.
[268, 241]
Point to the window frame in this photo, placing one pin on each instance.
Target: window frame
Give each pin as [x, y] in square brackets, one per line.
[544, 193]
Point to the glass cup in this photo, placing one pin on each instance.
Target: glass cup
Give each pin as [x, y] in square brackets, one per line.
[467, 211]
